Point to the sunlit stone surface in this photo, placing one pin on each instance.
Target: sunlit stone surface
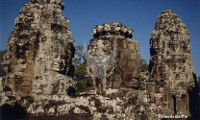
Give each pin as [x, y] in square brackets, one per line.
[39, 65]
[171, 66]
[40, 51]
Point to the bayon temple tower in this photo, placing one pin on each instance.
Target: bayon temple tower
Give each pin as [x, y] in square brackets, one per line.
[122, 66]
[39, 52]
[171, 63]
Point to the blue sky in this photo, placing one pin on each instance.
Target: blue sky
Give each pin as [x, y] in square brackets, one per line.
[139, 15]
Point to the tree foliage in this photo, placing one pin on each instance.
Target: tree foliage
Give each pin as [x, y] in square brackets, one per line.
[80, 73]
[144, 66]
[80, 69]
[2, 52]
[79, 55]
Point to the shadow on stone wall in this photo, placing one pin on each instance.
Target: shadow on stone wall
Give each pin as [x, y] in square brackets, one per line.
[194, 100]
[8, 112]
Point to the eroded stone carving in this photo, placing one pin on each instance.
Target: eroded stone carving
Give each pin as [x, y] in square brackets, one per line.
[126, 66]
[100, 66]
[171, 66]
[38, 66]
[40, 51]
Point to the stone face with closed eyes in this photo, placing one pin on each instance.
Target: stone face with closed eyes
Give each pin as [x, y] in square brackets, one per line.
[40, 51]
[171, 63]
[115, 38]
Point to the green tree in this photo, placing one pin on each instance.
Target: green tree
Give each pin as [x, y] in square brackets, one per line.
[2, 52]
[79, 55]
[80, 73]
[144, 66]
[80, 69]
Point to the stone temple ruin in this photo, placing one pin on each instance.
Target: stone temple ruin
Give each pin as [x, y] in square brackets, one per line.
[38, 67]
[171, 66]
[171, 63]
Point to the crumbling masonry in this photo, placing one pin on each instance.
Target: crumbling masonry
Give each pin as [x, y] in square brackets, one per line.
[171, 66]
[38, 67]
[40, 51]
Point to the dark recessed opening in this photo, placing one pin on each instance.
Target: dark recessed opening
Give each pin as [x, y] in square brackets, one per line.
[174, 103]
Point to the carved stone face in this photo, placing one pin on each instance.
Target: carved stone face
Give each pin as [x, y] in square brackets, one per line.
[59, 63]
